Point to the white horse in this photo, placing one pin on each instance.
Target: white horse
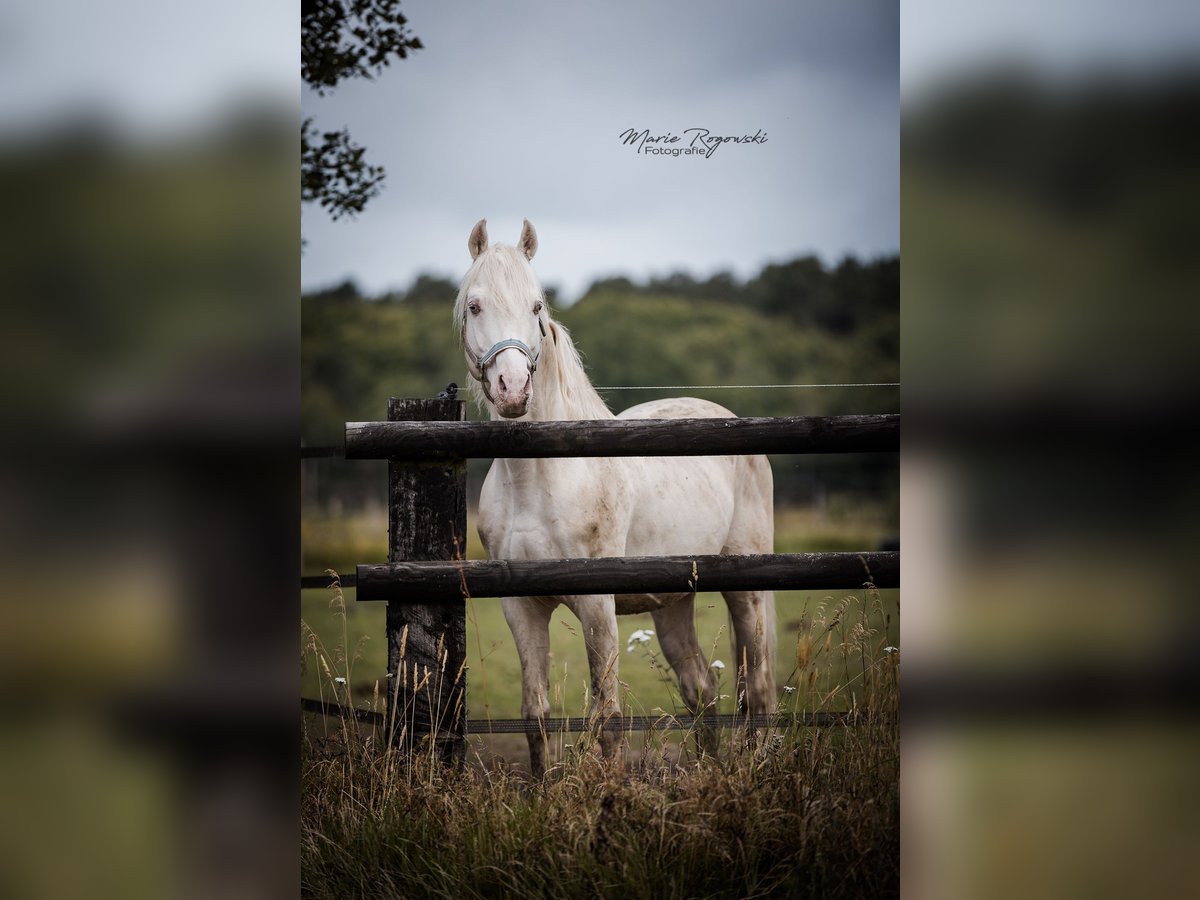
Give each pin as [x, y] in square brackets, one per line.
[527, 368]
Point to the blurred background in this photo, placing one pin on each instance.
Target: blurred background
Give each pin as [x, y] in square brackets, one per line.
[1049, 213]
[148, 484]
[150, 500]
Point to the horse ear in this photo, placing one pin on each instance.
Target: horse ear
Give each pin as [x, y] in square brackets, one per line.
[478, 240]
[528, 242]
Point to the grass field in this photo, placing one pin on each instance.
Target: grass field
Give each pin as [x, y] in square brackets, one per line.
[863, 623]
[791, 811]
[495, 672]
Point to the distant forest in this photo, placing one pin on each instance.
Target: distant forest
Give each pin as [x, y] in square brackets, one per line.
[797, 322]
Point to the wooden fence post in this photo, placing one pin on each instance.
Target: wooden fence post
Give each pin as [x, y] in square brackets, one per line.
[427, 643]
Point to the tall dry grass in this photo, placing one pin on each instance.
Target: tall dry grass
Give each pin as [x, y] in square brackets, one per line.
[788, 811]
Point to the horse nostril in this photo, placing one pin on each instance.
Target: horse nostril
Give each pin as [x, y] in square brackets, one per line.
[500, 383]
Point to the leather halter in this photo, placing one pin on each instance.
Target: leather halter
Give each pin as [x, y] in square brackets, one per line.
[481, 362]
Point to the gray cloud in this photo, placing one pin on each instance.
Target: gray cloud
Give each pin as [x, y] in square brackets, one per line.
[515, 111]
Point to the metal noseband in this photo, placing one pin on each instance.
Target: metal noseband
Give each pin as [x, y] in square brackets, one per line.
[481, 362]
[504, 345]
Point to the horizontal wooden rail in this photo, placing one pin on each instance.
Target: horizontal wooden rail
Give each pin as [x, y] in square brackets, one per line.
[431, 582]
[622, 437]
[621, 723]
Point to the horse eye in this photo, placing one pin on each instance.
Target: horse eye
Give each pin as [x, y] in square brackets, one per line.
[537, 308]
[473, 306]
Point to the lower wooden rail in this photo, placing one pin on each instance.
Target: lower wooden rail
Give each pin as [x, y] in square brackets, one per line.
[432, 582]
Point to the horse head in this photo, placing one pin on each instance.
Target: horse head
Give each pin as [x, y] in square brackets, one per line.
[502, 318]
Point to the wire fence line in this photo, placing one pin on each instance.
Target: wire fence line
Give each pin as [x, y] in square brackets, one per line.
[738, 387]
[551, 725]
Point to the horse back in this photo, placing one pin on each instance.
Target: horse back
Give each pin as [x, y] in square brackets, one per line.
[677, 408]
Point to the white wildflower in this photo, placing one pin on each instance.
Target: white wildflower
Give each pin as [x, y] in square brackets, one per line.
[716, 664]
[639, 637]
[339, 680]
[890, 649]
[788, 689]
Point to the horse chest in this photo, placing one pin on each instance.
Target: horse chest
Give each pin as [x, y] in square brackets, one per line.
[545, 511]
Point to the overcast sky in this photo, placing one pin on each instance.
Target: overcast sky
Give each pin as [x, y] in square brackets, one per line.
[515, 110]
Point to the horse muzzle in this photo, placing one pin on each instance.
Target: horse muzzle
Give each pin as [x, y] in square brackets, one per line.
[513, 385]
[512, 392]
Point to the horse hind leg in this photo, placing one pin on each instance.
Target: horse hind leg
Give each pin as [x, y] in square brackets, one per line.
[752, 613]
[676, 626]
[752, 617]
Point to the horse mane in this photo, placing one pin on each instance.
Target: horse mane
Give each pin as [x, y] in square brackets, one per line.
[560, 369]
[566, 374]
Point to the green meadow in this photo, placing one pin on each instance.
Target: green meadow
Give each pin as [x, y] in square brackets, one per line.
[851, 629]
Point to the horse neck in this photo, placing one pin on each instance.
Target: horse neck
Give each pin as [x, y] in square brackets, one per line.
[562, 389]
[562, 392]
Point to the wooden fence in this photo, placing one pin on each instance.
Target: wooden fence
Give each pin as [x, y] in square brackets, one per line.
[426, 580]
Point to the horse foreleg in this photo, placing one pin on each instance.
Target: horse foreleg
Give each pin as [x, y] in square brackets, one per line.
[529, 620]
[598, 616]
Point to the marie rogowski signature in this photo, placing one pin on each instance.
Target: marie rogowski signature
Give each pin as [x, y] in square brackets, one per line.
[691, 142]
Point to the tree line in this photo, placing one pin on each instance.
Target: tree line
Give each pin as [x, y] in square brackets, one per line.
[797, 322]
[838, 299]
